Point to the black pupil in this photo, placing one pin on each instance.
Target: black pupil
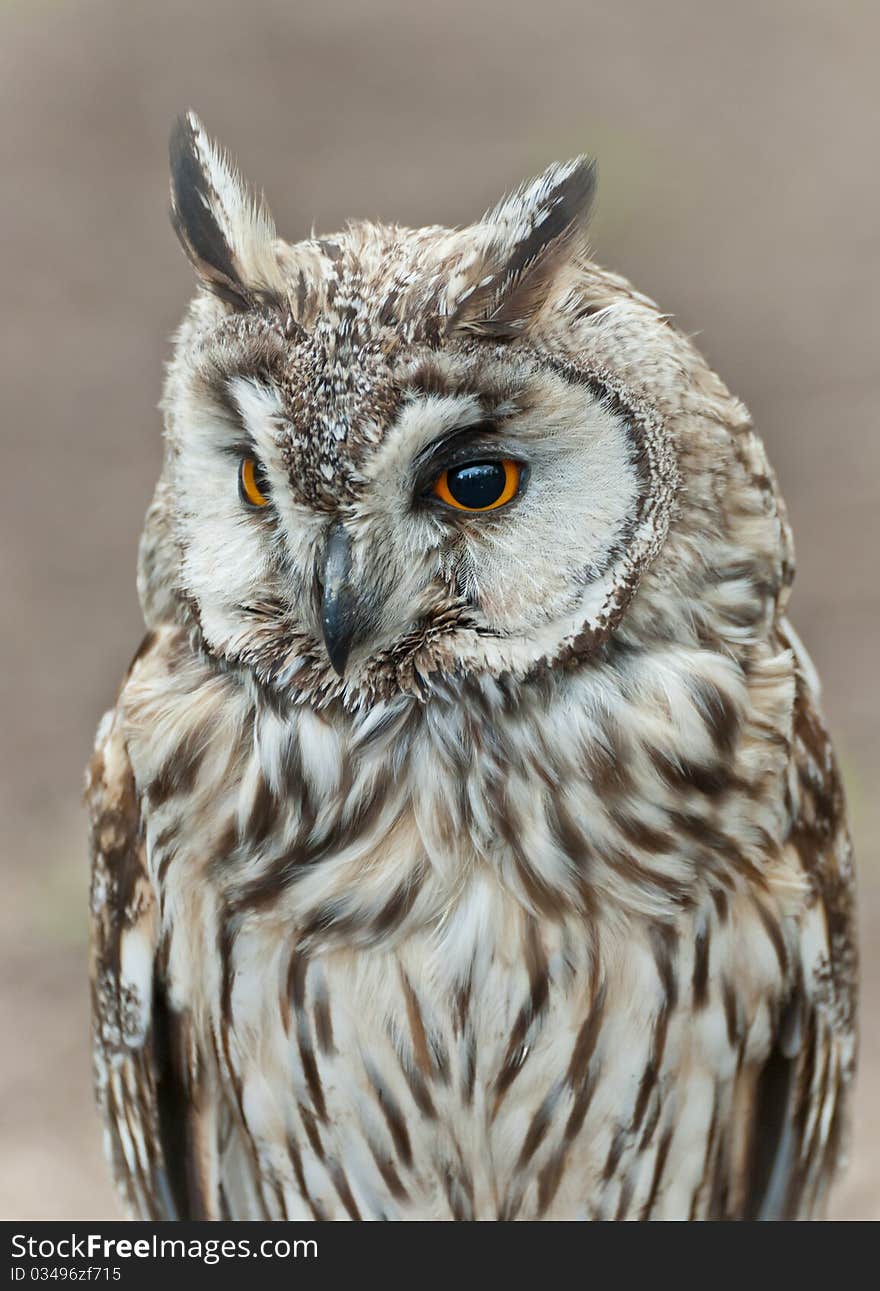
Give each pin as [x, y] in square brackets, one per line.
[478, 484]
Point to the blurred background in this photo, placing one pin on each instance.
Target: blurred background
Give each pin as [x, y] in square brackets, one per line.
[737, 148]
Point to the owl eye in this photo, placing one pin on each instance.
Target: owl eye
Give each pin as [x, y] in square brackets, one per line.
[253, 487]
[479, 486]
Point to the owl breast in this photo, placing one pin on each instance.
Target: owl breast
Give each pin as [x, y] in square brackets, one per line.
[391, 950]
[549, 1083]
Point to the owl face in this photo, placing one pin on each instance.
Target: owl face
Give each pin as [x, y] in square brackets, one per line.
[381, 471]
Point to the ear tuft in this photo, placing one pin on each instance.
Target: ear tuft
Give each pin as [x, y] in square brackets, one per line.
[522, 245]
[225, 231]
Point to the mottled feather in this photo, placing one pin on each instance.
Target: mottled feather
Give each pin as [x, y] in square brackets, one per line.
[541, 906]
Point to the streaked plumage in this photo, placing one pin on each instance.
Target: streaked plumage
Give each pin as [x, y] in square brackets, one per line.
[544, 907]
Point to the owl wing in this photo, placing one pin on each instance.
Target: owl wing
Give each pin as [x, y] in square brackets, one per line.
[800, 1108]
[140, 1075]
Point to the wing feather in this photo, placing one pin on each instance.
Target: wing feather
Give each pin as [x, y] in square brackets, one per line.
[802, 1094]
[143, 1081]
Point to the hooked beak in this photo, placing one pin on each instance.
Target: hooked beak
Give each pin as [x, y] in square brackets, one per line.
[340, 618]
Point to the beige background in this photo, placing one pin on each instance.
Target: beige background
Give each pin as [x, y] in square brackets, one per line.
[737, 146]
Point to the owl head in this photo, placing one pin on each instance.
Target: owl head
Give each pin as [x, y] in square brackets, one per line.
[396, 457]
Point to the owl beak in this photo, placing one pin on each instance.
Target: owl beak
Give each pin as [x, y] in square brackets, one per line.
[339, 616]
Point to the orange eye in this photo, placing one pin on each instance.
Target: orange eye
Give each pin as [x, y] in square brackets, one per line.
[253, 487]
[479, 486]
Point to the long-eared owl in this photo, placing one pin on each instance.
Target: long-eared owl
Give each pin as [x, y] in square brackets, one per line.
[467, 842]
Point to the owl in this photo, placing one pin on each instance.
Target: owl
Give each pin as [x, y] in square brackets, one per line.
[467, 841]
